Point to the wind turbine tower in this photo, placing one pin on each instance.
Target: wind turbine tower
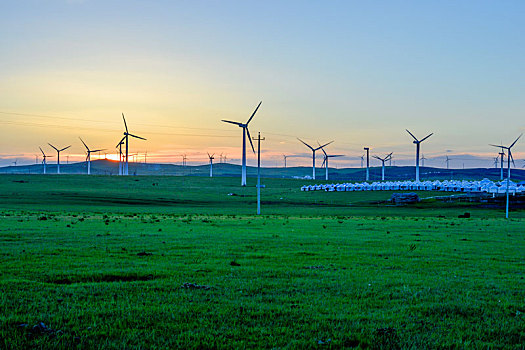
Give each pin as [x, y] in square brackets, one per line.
[418, 143]
[313, 154]
[88, 157]
[367, 149]
[245, 131]
[211, 164]
[383, 160]
[126, 140]
[58, 157]
[423, 160]
[447, 159]
[509, 158]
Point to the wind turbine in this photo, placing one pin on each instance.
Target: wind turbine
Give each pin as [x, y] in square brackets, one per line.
[447, 159]
[313, 154]
[88, 157]
[423, 160]
[417, 143]
[16, 161]
[44, 156]
[286, 157]
[211, 164]
[126, 139]
[496, 162]
[362, 160]
[58, 152]
[383, 160]
[325, 160]
[244, 132]
[120, 157]
[509, 158]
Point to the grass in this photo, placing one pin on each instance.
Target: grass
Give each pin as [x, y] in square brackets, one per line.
[101, 269]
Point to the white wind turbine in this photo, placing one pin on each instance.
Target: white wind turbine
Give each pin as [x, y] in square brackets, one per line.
[325, 160]
[417, 143]
[120, 157]
[126, 139]
[211, 163]
[245, 132]
[447, 160]
[383, 160]
[509, 159]
[88, 157]
[313, 154]
[58, 157]
[44, 156]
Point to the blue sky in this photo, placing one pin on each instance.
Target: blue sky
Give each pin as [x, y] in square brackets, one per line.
[355, 72]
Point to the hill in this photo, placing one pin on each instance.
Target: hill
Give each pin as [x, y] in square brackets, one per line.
[394, 173]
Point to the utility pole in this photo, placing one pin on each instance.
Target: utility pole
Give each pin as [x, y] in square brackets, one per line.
[259, 139]
[367, 149]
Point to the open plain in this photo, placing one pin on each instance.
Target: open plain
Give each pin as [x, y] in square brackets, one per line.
[183, 262]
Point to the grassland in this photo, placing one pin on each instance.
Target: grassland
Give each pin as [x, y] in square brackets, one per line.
[158, 262]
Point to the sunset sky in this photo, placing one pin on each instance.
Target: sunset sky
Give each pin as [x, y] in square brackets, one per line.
[356, 72]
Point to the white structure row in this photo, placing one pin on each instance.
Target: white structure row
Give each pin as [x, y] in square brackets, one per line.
[484, 185]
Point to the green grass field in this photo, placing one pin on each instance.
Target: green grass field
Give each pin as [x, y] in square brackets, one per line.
[176, 262]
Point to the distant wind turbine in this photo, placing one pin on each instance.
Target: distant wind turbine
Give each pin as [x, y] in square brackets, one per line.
[211, 163]
[245, 132]
[417, 143]
[325, 160]
[88, 157]
[121, 156]
[58, 155]
[509, 159]
[447, 159]
[383, 160]
[126, 139]
[313, 154]
[423, 160]
[44, 156]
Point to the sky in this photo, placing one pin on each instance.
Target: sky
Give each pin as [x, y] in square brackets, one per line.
[355, 72]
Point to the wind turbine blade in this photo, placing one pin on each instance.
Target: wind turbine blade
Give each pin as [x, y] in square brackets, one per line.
[515, 141]
[98, 150]
[511, 158]
[426, 137]
[336, 155]
[412, 135]
[63, 149]
[53, 146]
[84, 143]
[376, 157]
[307, 145]
[42, 151]
[208, 155]
[121, 141]
[324, 161]
[499, 146]
[250, 138]
[135, 136]
[229, 121]
[125, 125]
[326, 144]
[253, 114]
[322, 149]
